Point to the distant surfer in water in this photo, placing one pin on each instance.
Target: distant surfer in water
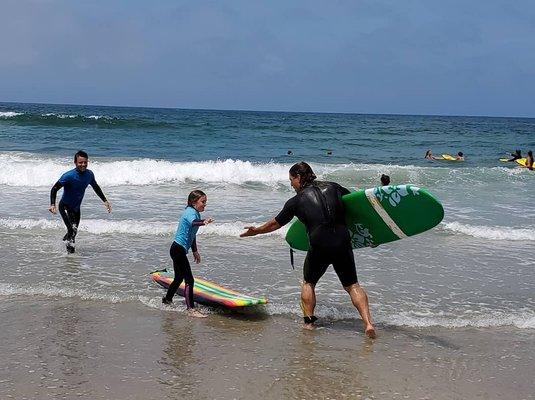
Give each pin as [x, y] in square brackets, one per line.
[517, 155]
[460, 156]
[429, 155]
[74, 183]
[529, 160]
[185, 238]
[319, 206]
[385, 180]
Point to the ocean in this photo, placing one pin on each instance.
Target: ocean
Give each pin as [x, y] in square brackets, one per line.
[471, 278]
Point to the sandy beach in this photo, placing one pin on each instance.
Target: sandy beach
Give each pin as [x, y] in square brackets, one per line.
[67, 349]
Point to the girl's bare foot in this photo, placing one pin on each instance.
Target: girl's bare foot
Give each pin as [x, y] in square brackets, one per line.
[192, 312]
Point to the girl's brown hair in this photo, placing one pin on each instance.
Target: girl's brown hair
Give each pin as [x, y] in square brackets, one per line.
[194, 196]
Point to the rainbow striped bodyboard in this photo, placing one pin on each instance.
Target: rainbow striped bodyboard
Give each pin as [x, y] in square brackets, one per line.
[209, 293]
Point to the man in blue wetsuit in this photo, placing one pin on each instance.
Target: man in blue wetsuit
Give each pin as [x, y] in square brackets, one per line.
[319, 206]
[74, 183]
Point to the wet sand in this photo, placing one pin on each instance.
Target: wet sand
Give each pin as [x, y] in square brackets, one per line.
[70, 348]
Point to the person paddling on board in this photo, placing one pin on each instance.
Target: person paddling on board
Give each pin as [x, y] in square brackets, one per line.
[515, 156]
[319, 206]
[429, 155]
[185, 238]
[74, 183]
[529, 160]
[460, 156]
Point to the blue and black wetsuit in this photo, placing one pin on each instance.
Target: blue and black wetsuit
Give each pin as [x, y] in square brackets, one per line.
[74, 183]
[185, 238]
[319, 206]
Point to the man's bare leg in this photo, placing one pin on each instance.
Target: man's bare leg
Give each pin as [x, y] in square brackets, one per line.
[359, 298]
[308, 302]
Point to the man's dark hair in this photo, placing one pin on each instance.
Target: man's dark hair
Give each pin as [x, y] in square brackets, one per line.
[385, 180]
[80, 153]
[303, 170]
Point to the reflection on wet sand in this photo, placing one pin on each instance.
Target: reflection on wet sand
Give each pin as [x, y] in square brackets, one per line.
[319, 367]
[179, 358]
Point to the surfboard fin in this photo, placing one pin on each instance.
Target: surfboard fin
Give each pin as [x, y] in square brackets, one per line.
[158, 270]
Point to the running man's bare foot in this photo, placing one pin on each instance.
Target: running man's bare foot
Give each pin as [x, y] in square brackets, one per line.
[370, 332]
[196, 314]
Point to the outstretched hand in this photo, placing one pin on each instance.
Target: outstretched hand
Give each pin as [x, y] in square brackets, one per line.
[52, 209]
[251, 231]
[208, 221]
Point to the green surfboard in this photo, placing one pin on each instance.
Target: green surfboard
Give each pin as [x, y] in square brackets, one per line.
[381, 215]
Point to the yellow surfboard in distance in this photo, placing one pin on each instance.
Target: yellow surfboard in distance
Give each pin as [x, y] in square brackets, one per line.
[448, 157]
[522, 161]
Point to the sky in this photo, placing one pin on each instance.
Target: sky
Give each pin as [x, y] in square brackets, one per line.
[445, 57]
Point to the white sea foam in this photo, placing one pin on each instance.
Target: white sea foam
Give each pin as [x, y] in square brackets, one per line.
[522, 319]
[519, 319]
[18, 169]
[51, 291]
[29, 170]
[129, 227]
[72, 116]
[98, 117]
[48, 290]
[491, 232]
[61, 116]
[9, 114]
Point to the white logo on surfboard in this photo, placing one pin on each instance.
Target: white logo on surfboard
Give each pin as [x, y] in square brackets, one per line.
[394, 194]
[361, 237]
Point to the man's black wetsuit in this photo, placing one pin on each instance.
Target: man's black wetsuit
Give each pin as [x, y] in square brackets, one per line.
[319, 206]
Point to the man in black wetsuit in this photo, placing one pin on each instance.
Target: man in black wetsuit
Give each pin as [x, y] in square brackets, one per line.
[319, 206]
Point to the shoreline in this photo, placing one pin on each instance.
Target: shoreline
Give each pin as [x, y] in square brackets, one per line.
[93, 349]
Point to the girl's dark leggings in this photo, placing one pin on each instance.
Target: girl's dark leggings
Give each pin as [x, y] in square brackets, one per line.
[182, 273]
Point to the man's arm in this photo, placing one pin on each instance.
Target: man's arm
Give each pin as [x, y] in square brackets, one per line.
[100, 194]
[53, 194]
[270, 226]
[285, 216]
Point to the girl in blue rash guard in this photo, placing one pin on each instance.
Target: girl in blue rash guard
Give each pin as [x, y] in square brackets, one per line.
[188, 225]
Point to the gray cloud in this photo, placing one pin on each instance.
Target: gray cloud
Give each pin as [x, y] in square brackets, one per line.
[349, 56]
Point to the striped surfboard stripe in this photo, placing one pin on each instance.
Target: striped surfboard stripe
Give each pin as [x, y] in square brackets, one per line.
[374, 202]
[210, 293]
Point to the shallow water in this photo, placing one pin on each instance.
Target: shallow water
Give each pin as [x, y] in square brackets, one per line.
[471, 277]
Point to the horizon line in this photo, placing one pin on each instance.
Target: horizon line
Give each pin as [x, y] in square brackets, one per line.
[270, 111]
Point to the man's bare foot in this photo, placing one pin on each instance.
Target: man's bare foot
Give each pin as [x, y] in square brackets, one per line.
[196, 314]
[309, 327]
[370, 332]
